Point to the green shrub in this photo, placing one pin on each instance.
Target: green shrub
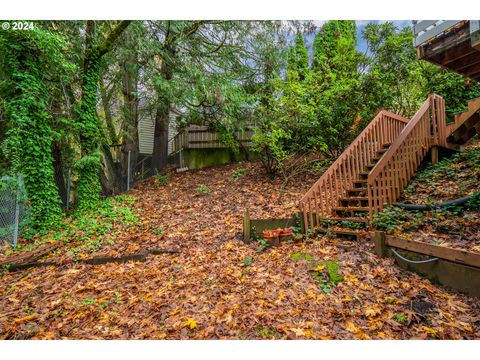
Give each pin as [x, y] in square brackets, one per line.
[162, 180]
[203, 189]
[238, 173]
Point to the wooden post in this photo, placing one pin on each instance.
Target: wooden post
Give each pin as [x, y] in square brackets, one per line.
[246, 226]
[434, 154]
[380, 245]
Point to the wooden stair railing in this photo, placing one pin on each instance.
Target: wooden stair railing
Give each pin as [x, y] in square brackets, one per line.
[397, 166]
[325, 194]
[458, 132]
[381, 161]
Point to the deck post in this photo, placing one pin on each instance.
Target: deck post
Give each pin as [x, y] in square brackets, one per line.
[380, 244]
[246, 226]
[434, 154]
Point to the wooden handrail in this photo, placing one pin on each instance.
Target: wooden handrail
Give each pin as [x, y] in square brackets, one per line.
[333, 184]
[399, 141]
[398, 165]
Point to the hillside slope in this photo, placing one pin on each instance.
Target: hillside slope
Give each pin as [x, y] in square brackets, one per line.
[453, 226]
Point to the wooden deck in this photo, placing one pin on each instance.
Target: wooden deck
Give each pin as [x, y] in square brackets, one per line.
[456, 49]
[201, 137]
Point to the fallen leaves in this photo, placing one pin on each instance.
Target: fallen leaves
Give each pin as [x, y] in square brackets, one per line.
[220, 288]
[190, 323]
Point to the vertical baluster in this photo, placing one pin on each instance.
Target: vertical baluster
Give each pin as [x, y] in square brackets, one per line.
[305, 222]
[329, 196]
[310, 213]
[337, 191]
[321, 197]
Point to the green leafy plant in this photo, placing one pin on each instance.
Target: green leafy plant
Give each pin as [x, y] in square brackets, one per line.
[266, 333]
[90, 229]
[263, 245]
[301, 256]
[248, 261]
[238, 173]
[203, 189]
[401, 318]
[326, 273]
[162, 180]
[89, 301]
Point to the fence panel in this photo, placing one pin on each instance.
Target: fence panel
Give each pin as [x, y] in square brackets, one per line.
[14, 212]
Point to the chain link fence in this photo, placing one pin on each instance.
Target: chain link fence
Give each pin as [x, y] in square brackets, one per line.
[14, 212]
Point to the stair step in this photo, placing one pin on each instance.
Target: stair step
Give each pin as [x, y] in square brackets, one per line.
[359, 183]
[350, 219]
[354, 198]
[387, 145]
[364, 175]
[340, 233]
[348, 202]
[362, 190]
[351, 209]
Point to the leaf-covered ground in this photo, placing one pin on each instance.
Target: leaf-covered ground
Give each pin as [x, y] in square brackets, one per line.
[456, 226]
[220, 288]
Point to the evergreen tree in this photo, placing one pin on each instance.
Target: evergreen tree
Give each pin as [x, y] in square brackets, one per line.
[298, 60]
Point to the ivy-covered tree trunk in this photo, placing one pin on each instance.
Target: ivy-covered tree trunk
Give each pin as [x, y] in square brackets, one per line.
[89, 166]
[29, 142]
[89, 125]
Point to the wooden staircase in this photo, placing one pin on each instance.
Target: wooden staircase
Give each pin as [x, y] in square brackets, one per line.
[466, 125]
[379, 163]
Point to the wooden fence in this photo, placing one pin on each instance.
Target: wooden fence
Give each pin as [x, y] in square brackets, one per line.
[201, 137]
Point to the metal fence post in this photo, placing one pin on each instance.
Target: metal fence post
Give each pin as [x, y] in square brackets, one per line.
[68, 186]
[17, 211]
[128, 170]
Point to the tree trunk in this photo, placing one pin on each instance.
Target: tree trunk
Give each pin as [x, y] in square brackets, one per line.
[162, 119]
[90, 186]
[129, 69]
[58, 169]
[160, 141]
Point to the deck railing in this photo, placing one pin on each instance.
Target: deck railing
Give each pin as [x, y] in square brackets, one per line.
[334, 183]
[397, 166]
[201, 137]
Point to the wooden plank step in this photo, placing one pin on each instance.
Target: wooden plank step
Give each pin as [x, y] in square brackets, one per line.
[357, 190]
[354, 198]
[359, 183]
[363, 175]
[351, 208]
[350, 219]
[340, 233]
[387, 145]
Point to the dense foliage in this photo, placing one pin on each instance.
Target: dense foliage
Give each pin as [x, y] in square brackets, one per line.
[33, 59]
